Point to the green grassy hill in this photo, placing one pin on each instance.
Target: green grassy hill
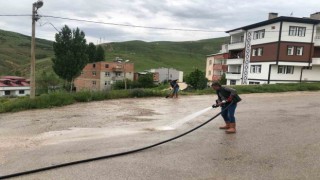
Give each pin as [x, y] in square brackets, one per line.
[185, 56]
[15, 52]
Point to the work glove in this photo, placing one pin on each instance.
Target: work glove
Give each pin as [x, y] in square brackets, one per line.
[215, 106]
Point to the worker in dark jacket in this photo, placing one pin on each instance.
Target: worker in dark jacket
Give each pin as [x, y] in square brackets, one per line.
[175, 86]
[226, 96]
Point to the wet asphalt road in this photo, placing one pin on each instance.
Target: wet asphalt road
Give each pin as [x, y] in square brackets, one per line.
[278, 138]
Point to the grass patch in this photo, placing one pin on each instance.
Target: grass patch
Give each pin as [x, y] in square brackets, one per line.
[64, 98]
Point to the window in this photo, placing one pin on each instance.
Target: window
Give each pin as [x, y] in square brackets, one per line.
[255, 69]
[233, 82]
[107, 83]
[297, 31]
[209, 73]
[7, 93]
[106, 66]
[259, 34]
[254, 82]
[94, 73]
[21, 91]
[118, 74]
[285, 69]
[257, 52]
[210, 62]
[82, 72]
[260, 51]
[299, 51]
[94, 65]
[290, 50]
[254, 52]
[94, 83]
[107, 74]
[290, 70]
[241, 38]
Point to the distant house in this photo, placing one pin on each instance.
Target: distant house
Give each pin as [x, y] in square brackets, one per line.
[14, 86]
[101, 75]
[155, 75]
[216, 64]
[166, 74]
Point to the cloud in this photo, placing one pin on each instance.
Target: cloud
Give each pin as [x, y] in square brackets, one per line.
[219, 15]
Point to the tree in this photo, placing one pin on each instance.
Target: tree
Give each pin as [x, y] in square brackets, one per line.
[70, 50]
[91, 51]
[146, 81]
[46, 81]
[223, 80]
[197, 79]
[100, 54]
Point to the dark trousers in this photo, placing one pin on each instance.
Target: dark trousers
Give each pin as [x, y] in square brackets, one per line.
[228, 114]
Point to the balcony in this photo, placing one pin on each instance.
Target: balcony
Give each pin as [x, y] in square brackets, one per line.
[117, 69]
[216, 77]
[236, 45]
[317, 41]
[233, 75]
[316, 61]
[236, 61]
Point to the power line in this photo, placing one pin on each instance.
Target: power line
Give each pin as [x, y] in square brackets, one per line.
[128, 25]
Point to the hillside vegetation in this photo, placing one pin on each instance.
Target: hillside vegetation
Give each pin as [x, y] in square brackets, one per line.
[185, 56]
[15, 52]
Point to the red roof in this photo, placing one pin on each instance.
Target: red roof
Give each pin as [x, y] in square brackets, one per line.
[12, 77]
[13, 81]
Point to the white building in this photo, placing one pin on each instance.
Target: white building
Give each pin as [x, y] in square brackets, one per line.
[14, 86]
[168, 73]
[278, 50]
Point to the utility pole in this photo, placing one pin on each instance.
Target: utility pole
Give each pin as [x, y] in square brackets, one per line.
[125, 71]
[35, 17]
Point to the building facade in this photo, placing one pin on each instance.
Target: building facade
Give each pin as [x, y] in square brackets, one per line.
[14, 86]
[166, 74]
[155, 76]
[278, 50]
[216, 64]
[100, 76]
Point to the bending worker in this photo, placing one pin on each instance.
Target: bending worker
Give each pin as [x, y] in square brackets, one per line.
[225, 97]
[175, 87]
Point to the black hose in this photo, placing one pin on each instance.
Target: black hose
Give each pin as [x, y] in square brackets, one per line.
[108, 156]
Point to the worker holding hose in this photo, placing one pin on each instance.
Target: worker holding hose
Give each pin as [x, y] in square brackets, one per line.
[227, 100]
[175, 86]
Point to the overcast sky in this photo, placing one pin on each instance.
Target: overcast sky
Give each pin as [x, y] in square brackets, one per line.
[214, 15]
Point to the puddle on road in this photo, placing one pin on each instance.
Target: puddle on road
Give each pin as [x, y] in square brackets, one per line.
[80, 134]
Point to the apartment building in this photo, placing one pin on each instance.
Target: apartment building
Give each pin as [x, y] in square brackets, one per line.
[100, 76]
[14, 86]
[167, 74]
[216, 64]
[278, 50]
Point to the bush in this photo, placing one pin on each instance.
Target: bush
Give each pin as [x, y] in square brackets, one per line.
[40, 102]
[64, 98]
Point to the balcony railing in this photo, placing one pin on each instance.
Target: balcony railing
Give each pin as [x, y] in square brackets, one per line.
[235, 61]
[317, 41]
[316, 61]
[233, 75]
[233, 72]
[235, 42]
[117, 69]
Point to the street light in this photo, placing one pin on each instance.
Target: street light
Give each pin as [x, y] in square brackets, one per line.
[35, 6]
[125, 79]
